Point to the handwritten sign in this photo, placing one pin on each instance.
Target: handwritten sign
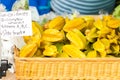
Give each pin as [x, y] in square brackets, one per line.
[15, 23]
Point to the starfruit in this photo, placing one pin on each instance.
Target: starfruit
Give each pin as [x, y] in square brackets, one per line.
[116, 48]
[103, 54]
[91, 34]
[114, 40]
[92, 54]
[104, 31]
[73, 51]
[63, 55]
[28, 50]
[26, 38]
[36, 35]
[99, 46]
[76, 23]
[80, 34]
[89, 21]
[52, 35]
[36, 39]
[43, 44]
[77, 39]
[113, 37]
[57, 23]
[111, 34]
[50, 51]
[38, 53]
[99, 24]
[113, 23]
[105, 42]
[107, 18]
[39, 26]
[35, 29]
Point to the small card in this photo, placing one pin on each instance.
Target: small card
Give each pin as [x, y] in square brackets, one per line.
[15, 23]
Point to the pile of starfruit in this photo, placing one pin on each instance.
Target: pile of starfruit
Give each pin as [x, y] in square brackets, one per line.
[80, 37]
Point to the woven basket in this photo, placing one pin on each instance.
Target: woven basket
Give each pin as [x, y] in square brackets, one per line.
[66, 68]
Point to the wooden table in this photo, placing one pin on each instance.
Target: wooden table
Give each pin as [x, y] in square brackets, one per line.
[9, 76]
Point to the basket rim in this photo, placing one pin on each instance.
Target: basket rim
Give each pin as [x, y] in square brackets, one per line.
[16, 52]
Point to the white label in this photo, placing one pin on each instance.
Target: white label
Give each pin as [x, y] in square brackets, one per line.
[15, 23]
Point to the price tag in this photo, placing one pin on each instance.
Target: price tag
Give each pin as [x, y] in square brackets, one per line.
[15, 23]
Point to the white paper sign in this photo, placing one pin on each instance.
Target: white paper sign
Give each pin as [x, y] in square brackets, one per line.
[15, 23]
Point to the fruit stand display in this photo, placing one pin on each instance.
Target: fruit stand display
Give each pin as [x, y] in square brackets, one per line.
[83, 47]
[77, 47]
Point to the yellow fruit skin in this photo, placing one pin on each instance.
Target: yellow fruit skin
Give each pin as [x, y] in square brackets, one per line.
[73, 51]
[106, 43]
[99, 24]
[92, 54]
[36, 35]
[26, 38]
[57, 23]
[50, 51]
[113, 23]
[103, 54]
[76, 39]
[104, 31]
[107, 18]
[44, 43]
[91, 34]
[80, 34]
[63, 55]
[52, 35]
[76, 23]
[38, 53]
[28, 50]
[67, 38]
[35, 29]
[39, 26]
[99, 46]
[89, 21]
[36, 39]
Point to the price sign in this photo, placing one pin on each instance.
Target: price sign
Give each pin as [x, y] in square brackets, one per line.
[15, 23]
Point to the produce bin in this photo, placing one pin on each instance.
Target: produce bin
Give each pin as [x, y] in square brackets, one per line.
[66, 68]
[70, 68]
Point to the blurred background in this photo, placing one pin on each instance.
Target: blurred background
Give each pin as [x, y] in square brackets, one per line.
[66, 6]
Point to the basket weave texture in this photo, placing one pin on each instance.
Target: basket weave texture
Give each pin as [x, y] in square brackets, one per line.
[67, 68]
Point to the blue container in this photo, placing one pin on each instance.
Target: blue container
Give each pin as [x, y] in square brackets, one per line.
[44, 6]
[43, 9]
[8, 4]
[43, 2]
[33, 3]
[83, 6]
